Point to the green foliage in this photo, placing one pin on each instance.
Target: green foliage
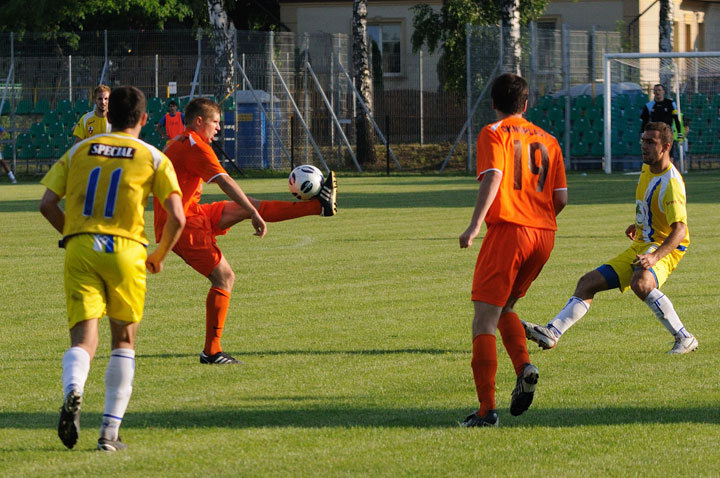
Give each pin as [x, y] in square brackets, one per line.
[355, 333]
[77, 15]
[446, 30]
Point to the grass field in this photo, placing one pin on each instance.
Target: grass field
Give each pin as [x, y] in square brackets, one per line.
[355, 333]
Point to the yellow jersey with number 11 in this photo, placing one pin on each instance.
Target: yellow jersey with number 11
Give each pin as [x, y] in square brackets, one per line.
[106, 181]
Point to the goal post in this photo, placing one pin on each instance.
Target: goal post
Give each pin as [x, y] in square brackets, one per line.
[701, 78]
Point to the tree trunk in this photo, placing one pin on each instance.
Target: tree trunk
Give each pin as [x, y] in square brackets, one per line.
[667, 14]
[365, 136]
[223, 31]
[510, 15]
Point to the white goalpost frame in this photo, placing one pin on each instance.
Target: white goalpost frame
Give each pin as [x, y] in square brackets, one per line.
[607, 58]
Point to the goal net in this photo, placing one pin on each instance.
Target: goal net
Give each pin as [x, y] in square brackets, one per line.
[691, 80]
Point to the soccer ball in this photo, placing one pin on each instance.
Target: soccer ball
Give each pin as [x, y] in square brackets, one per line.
[305, 182]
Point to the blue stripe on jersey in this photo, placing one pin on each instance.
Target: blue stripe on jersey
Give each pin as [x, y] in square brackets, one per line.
[682, 248]
[649, 219]
[110, 244]
[112, 192]
[90, 191]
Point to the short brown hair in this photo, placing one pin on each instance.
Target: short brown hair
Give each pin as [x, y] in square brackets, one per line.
[666, 134]
[200, 107]
[100, 89]
[509, 93]
[125, 107]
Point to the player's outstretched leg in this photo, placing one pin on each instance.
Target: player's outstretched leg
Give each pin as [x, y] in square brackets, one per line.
[664, 310]
[328, 195]
[522, 395]
[69, 425]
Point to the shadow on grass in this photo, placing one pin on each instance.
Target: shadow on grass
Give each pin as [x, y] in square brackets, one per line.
[262, 353]
[332, 416]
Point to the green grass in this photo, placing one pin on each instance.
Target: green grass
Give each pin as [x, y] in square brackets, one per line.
[355, 333]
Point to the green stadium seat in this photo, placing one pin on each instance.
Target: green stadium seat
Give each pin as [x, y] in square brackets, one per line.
[578, 148]
[5, 108]
[597, 148]
[65, 109]
[36, 129]
[61, 142]
[8, 151]
[42, 106]
[24, 107]
[45, 151]
[622, 101]
[41, 140]
[583, 101]
[229, 103]
[154, 105]
[81, 107]
[544, 102]
[23, 140]
[55, 129]
[147, 130]
[27, 152]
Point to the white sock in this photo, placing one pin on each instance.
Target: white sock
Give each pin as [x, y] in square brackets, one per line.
[118, 388]
[75, 369]
[11, 176]
[571, 313]
[665, 312]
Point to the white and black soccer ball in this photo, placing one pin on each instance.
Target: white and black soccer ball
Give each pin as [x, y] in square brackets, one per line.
[305, 182]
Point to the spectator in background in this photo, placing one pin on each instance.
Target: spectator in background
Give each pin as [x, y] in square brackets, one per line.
[4, 163]
[172, 123]
[664, 110]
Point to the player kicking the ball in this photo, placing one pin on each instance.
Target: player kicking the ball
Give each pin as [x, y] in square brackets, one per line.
[660, 238]
[522, 188]
[195, 162]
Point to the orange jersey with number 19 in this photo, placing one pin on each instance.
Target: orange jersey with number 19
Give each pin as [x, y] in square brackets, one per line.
[532, 168]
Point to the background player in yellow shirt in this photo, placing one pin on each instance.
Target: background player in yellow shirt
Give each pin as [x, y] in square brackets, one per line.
[660, 238]
[106, 181]
[95, 121]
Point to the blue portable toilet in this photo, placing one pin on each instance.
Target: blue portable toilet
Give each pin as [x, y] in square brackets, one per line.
[253, 130]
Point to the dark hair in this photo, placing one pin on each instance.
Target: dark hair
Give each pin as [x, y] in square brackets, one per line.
[666, 134]
[509, 93]
[661, 86]
[200, 107]
[172, 102]
[126, 107]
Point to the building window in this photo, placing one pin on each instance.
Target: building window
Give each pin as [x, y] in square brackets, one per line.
[388, 39]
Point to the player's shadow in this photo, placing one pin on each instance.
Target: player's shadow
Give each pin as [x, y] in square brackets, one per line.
[264, 353]
[331, 416]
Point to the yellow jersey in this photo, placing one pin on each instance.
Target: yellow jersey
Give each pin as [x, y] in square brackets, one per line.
[659, 202]
[90, 125]
[106, 181]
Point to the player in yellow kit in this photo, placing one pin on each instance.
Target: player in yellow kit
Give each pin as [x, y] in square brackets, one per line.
[95, 121]
[106, 181]
[660, 238]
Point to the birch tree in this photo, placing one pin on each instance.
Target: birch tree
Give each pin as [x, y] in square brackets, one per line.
[667, 14]
[365, 137]
[223, 31]
[510, 16]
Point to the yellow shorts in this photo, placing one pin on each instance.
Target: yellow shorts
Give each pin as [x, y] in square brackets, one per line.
[104, 274]
[624, 269]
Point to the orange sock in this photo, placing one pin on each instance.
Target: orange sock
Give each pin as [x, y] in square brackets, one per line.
[275, 211]
[484, 368]
[216, 309]
[513, 337]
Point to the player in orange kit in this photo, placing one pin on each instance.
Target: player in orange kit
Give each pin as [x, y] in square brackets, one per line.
[195, 162]
[522, 188]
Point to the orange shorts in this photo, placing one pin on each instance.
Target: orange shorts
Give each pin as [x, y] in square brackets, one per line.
[510, 258]
[197, 245]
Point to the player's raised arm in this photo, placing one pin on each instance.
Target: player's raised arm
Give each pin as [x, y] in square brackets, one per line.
[171, 233]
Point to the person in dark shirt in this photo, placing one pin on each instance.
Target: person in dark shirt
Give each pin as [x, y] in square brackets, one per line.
[664, 110]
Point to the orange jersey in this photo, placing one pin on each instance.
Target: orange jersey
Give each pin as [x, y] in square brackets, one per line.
[532, 168]
[194, 162]
[174, 125]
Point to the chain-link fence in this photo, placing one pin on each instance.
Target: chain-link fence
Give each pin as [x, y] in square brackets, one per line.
[294, 101]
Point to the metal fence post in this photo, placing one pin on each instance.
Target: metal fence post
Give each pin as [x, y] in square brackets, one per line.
[566, 88]
[271, 44]
[468, 95]
[306, 102]
[422, 117]
[70, 77]
[534, 93]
